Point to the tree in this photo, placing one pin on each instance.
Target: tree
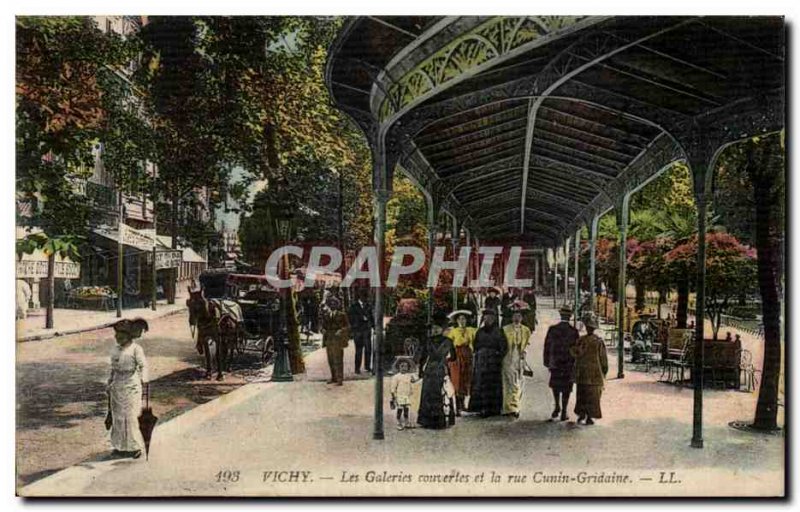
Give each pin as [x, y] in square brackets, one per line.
[188, 112]
[762, 160]
[730, 271]
[62, 104]
[647, 268]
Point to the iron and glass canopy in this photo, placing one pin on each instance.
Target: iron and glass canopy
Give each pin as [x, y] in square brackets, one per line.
[529, 126]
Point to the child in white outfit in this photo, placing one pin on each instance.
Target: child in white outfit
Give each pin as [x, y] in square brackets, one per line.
[401, 389]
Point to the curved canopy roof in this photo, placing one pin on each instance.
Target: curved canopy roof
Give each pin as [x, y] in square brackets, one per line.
[528, 126]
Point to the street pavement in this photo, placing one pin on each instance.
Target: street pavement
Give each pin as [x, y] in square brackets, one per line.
[308, 438]
[61, 400]
[73, 321]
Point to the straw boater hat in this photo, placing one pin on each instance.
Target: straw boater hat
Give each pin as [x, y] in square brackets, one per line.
[590, 320]
[132, 327]
[412, 366]
[495, 290]
[565, 311]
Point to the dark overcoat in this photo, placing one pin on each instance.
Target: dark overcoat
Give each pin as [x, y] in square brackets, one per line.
[560, 338]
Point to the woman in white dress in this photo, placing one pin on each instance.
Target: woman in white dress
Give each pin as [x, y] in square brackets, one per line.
[128, 374]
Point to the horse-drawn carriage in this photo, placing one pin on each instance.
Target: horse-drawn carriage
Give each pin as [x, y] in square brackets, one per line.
[236, 312]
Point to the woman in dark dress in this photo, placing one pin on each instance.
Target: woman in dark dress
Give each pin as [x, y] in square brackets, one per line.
[434, 355]
[492, 302]
[486, 396]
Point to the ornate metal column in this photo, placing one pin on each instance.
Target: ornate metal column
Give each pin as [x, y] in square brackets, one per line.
[433, 216]
[593, 260]
[468, 241]
[454, 239]
[382, 192]
[577, 284]
[701, 167]
[555, 276]
[566, 270]
[622, 224]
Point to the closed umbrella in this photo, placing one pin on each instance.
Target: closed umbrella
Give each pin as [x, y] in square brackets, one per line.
[147, 421]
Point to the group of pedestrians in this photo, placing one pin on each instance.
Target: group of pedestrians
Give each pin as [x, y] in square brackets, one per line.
[481, 371]
[465, 369]
[476, 370]
[337, 329]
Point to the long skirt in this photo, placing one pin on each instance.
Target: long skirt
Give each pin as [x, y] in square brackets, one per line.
[431, 412]
[486, 394]
[126, 405]
[587, 401]
[461, 370]
[512, 382]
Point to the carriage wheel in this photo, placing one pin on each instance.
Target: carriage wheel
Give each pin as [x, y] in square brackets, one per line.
[267, 349]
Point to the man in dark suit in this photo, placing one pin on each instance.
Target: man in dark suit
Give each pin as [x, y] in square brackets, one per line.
[560, 339]
[361, 322]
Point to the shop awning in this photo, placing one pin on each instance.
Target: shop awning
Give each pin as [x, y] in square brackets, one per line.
[137, 239]
[190, 256]
[34, 265]
[142, 240]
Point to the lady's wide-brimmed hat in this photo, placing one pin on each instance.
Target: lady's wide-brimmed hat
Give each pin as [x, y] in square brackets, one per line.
[457, 313]
[132, 327]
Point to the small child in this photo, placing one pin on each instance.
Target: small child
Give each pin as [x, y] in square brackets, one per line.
[401, 389]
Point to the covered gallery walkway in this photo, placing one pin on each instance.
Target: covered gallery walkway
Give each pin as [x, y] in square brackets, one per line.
[640, 435]
[527, 129]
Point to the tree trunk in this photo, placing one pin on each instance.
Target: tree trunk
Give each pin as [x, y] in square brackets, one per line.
[293, 331]
[340, 206]
[715, 316]
[173, 272]
[767, 406]
[296, 363]
[683, 303]
[51, 290]
[638, 303]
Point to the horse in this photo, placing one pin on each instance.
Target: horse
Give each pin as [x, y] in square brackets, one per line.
[217, 320]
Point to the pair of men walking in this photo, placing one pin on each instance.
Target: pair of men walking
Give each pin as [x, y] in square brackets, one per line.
[337, 327]
[574, 359]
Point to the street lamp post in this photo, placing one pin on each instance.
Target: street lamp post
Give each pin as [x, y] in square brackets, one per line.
[283, 213]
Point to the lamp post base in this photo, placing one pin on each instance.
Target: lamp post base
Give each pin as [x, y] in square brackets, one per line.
[282, 371]
[697, 443]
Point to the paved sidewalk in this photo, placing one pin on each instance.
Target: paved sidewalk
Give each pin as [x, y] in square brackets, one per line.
[248, 442]
[71, 321]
